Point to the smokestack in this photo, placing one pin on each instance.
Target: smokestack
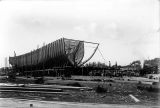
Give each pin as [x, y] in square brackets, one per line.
[142, 63]
[14, 54]
[5, 61]
[109, 64]
[116, 64]
[37, 46]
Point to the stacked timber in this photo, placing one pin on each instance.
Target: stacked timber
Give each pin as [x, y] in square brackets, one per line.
[62, 52]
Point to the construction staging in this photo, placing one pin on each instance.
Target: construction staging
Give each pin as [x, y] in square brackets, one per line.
[62, 56]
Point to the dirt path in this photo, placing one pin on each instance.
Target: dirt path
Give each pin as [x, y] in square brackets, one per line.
[22, 103]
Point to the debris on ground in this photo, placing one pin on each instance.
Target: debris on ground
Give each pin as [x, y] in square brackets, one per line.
[100, 89]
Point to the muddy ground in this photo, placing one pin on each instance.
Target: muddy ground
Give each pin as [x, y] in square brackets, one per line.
[117, 91]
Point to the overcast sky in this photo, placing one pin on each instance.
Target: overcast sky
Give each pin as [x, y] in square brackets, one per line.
[127, 30]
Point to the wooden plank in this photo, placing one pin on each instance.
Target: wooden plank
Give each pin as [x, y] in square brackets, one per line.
[30, 88]
[54, 53]
[134, 98]
[49, 50]
[43, 92]
[52, 50]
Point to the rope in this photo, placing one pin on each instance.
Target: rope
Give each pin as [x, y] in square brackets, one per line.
[101, 55]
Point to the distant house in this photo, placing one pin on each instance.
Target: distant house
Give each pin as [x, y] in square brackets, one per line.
[130, 70]
[2, 71]
[154, 77]
[152, 66]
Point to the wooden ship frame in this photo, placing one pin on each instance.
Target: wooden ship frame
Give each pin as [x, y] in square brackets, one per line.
[61, 57]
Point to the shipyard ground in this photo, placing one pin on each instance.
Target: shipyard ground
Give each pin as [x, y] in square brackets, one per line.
[117, 94]
[23, 103]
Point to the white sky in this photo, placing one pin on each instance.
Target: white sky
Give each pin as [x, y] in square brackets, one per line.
[127, 30]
